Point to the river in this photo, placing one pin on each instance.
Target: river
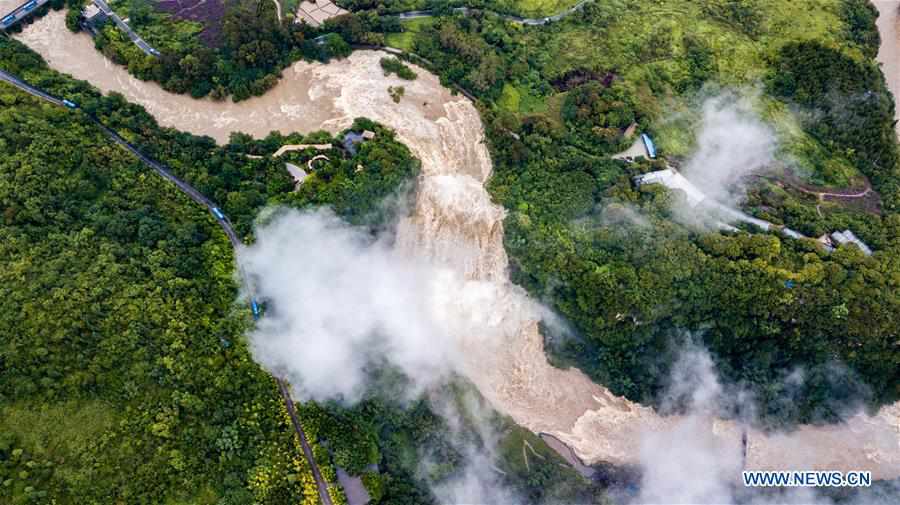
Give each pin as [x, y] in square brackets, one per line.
[889, 51]
[456, 223]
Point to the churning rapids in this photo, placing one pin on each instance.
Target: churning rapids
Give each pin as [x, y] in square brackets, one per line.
[455, 223]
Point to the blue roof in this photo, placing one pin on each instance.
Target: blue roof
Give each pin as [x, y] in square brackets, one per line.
[351, 139]
[648, 143]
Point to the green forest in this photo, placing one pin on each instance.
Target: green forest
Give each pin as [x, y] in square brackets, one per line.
[125, 345]
[556, 101]
[106, 270]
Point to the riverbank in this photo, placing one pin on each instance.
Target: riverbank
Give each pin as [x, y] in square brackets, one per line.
[456, 224]
[889, 52]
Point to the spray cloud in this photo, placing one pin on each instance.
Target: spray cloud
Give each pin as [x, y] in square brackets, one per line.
[689, 463]
[731, 144]
[341, 301]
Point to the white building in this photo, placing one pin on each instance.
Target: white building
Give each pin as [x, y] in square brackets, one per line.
[848, 237]
[672, 179]
[296, 172]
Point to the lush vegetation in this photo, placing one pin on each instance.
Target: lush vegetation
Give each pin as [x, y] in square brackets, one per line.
[854, 113]
[597, 114]
[610, 257]
[124, 377]
[243, 58]
[395, 66]
[403, 448]
[613, 260]
[238, 52]
[124, 374]
[522, 8]
[127, 349]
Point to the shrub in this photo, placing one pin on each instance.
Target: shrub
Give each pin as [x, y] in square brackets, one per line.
[395, 66]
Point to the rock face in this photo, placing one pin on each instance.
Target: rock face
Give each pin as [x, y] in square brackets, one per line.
[455, 223]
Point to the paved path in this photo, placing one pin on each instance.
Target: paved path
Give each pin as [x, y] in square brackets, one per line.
[138, 41]
[223, 222]
[15, 81]
[304, 443]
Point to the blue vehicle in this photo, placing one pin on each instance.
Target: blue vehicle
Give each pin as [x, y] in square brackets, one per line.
[648, 144]
[218, 213]
[30, 5]
[255, 308]
[8, 19]
[70, 104]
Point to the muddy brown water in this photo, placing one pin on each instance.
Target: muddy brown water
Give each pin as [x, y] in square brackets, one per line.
[889, 51]
[455, 223]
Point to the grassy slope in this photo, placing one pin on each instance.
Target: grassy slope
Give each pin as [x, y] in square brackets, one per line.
[632, 22]
[404, 40]
[741, 61]
[537, 8]
[645, 44]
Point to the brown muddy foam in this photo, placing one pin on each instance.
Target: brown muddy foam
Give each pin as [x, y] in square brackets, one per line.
[456, 223]
[889, 51]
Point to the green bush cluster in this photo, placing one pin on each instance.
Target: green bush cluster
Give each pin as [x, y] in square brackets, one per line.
[393, 65]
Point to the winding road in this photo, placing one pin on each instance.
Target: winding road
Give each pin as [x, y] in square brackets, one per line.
[457, 226]
[135, 38]
[223, 222]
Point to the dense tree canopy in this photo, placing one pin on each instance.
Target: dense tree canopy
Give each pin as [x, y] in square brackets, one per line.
[598, 114]
[612, 258]
[852, 110]
[122, 371]
[124, 374]
[803, 330]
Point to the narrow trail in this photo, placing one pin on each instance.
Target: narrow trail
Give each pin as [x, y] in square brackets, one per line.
[135, 38]
[840, 195]
[222, 221]
[455, 223]
[819, 192]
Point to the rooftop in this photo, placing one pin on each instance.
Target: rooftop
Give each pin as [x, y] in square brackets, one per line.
[316, 13]
[672, 179]
[848, 237]
[296, 172]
